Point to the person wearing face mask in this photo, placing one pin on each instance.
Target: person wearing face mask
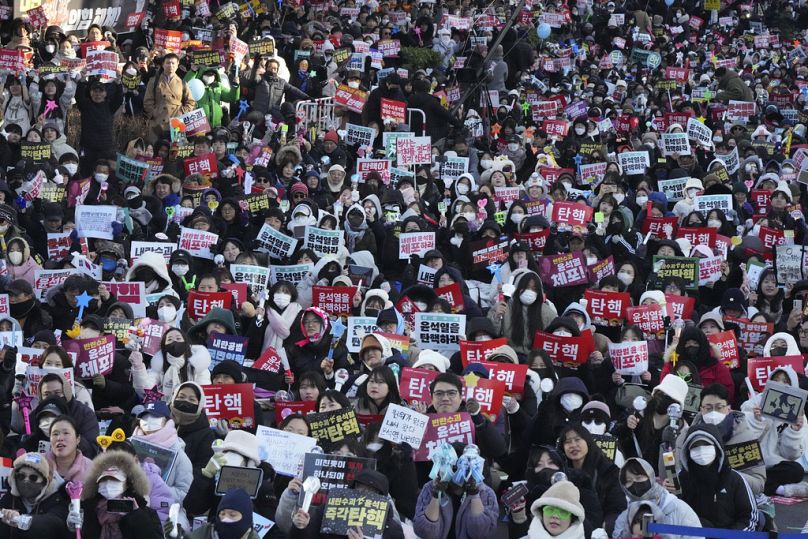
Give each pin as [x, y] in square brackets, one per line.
[596, 418]
[239, 448]
[309, 342]
[395, 462]
[560, 408]
[234, 519]
[358, 236]
[116, 475]
[438, 119]
[277, 317]
[638, 481]
[734, 427]
[168, 311]
[182, 272]
[150, 268]
[41, 417]
[717, 493]
[325, 271]
[27, 310]
[218, 90]
[519, 316]
[684, 207]
[35, 491]
[155, 426]
[188, 412]
[693, 346]
[177, 361]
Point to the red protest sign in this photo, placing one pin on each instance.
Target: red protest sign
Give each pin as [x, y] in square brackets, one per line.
[12, 60]
[535, 240]
[729, 348]
[573, 215]
[679, 74]
[93, 356]
[759, 369]
[699, 235]
[453, 294]
[488, 392]
[167, 40]
[239, 291]
[152, 335]
[607, 308]
[395, 111]
[283, 409]
[477, 351]
[680, 306]
[771, 237]
[336, 300]
[407, 308]
[568, 269]
[650, 318]
[233, 402]
[269, 361]
[171, 9]
[351, 98]
[556, 128]
[89, 46]
[660, 227]
[448, 428]
[414, 384]
[204, 165]
[200, 303]
[512, 375]
[565, 351]
[603, 268]
[752, 335]
[761, 200]
[486, 251]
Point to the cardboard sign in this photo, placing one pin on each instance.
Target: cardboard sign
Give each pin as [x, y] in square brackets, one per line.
[403, 425]
[439, 331]
[334, 426]
[744, 455]
[650, 319]
[752, 335]
[198, 242]
[607, 308]
[729, 348]
[226, 348]
[783, 403]
[562, 270]
[477, 351]
[322, 241]
[93, 356]
[95, 221]
[414, 385]
[759, 369]
[415, 243]
[629, 358]
[233, 402]
[565, 351]
[335, 300]
[239, 477]
[348, 509]
[199, 303]
[450, 428]
[284, 450]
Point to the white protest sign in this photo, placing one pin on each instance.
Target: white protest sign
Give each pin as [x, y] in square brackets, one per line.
[730, 160]
[293, 274]
[358, 327]
[360, 135]
[440, 331]
[415, 243]
[284, 450]
[699, 132]
[402, 425]
[140, 247]
[277, 244]
[413, 151]
[426, 275]
[674, 189]
[633, 162]
[709, 270]
[261, 525]
[453, 167]
[705, 203]
[675, 144]
[629, 358]
[323, 241]
[95, 221]
[198, 242]
[255, 276]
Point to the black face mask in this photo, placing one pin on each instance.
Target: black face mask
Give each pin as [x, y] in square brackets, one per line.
[614, 228]
[29, 490]
[691, 353]
[541, 478]
[372, 312]
[135, 202]
[185, 407]
[543, 373]
[774, 352]
[175, 349]
[639, 488]
[21, 309]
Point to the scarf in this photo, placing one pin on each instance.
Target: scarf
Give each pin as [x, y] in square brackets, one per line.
[304, 78]
[108, 521]
[165, 437]
[354, 234]
[171, 378]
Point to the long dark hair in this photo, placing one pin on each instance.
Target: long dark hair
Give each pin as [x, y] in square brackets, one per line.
[593, 452]
[384, 373]
[534, 321]
[186, 353]
[776, 303]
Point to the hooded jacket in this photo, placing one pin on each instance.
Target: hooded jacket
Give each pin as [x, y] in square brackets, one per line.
[50, 508]
[733, 504]
[552, 417]
[196, 369]
[27, 268]
[143, 522]
[466, 525]
[215, 94]
[156, 262]
[671, 509]
[470, 307]
[197, 435]
[732, 87]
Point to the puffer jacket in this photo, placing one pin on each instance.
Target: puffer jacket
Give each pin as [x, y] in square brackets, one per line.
[196, 367]
[732, 87]
[49, 511]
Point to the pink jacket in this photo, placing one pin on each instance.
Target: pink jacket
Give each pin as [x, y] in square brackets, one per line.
[78, 470]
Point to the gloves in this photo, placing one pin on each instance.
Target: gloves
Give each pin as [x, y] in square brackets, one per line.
[222, 428]
[99, 381]
[214, 465]
[471, 487]
[511, 405]
[136, 360]
[439, 488]
[75, 520]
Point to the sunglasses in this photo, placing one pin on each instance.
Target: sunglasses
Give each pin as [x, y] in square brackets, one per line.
[550, 511]
[33, 478]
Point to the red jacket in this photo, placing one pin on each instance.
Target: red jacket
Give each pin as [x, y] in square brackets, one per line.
[717, 373]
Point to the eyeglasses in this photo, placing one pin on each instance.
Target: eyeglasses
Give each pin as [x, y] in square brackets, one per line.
[452, 393]
[713, 407]
[261, 180]
[803, 332]
[33, 478]
[299, 195]
[549, 511]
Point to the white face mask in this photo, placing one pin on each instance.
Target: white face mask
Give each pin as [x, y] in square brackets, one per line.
[571, 401]
[180, 270]
[15, 257]
[69, 53]
[528, 297]
[111, 489]
[513, 146]
[151, 424]
[469, 216]
[208, 79]
[625, 277]
[281, 299]
[71, 167]
[167, 313]
[714, 223]
[374, 446]
[50, 49]
[353, 84]
[580, 131]
[100, 178]
[462, 189]
[595, 428]
[486, 163]
[619, 197]
[445, 40]
[562, 333]
[516, 218]
[703, 455]
[131, 72]
[692, 192]
[641, 201]
[713, 418]
[45, 425]
[456, 240]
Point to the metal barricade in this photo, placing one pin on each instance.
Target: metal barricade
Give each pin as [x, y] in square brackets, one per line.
[318, 113]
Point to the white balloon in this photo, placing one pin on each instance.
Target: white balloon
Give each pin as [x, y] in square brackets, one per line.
[197, 88]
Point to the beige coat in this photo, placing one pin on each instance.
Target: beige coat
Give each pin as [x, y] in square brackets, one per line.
[166, 99]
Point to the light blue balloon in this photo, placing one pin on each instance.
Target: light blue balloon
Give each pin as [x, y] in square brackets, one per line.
[543, 30]
[669, 3]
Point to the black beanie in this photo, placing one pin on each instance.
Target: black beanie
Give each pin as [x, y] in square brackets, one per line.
[230, 368]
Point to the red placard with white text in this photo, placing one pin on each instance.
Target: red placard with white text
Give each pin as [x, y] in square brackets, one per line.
[414, 384]
[650, 318]
[729, 348]
[233, 402]
[511, 374]
[758, 369]
[565, 351]
[487, 391]
[680, 306]
[200, 303]
[607, 308]
[476, 351]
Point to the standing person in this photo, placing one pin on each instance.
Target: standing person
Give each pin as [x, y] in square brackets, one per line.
[167, 96]
[97, 103]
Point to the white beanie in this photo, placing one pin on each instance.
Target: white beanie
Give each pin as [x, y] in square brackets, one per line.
[430, 357]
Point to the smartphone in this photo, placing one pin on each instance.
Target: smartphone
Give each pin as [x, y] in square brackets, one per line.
[120, 506]
[518, 491]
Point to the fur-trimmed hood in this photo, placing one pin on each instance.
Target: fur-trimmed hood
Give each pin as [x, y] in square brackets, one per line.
[38, 462]
[288, 151]
[136, 480]
[199, 360]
